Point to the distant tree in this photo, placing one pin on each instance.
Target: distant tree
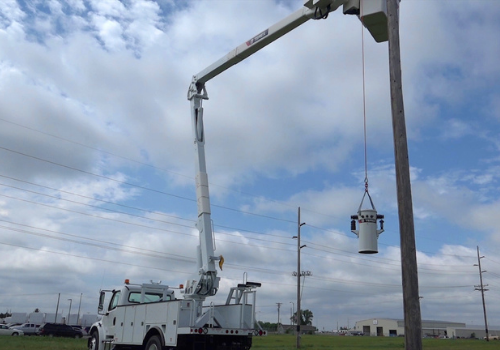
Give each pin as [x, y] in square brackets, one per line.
[268, 326]
[5, 315]
[306, 317]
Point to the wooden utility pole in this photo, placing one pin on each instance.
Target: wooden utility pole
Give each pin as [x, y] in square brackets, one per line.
[278, 324]
[57, 307]
[299, 247]
[482, 289]
[411, 301]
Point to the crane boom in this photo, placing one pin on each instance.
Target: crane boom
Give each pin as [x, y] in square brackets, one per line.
[373, 17]
[319, 9]
[253, 45]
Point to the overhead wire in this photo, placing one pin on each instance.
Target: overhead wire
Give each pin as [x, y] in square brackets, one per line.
[149, 165]
[181, 225]
[163, 255]
[161, 221]
[91, 198]
[179, 174]
[138, 186]
[152, 166]
[43, 250]
[143, 187]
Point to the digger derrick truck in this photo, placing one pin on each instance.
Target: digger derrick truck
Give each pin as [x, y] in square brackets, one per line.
[152, 316]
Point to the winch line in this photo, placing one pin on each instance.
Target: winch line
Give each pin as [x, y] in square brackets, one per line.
[364, 112]
[364, 101]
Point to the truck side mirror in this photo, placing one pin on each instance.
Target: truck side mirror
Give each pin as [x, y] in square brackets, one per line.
[100, 307]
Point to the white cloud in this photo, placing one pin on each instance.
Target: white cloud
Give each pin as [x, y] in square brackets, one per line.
[110, 32]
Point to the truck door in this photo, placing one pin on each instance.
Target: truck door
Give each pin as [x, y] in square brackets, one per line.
[111, 322]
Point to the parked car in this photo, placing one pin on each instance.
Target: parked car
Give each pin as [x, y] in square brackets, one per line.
[357, 333]
[492, 337]
[27, 328]
[10, 325]
[5, 330]
[60, 330]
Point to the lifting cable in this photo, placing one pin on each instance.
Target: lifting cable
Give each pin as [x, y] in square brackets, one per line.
[364, 117]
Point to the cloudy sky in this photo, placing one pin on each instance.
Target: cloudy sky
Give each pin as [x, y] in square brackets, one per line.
[97, 164]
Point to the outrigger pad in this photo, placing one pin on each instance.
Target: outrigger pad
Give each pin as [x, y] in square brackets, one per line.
[253, 284]
[249, 285]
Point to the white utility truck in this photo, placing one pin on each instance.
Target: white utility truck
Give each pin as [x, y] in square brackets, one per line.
[150, 316]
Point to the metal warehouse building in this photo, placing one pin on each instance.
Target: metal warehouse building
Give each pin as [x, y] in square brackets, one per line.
[473, 331]
[390, 327]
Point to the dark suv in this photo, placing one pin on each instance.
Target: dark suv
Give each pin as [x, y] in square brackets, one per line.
[59, 330]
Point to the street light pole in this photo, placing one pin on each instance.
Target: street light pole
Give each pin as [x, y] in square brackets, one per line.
[69, 312]
[278, 325]
[79, 308]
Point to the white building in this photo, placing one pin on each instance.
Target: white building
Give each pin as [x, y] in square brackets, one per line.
[390, 327]
[36, 318]
[51, 317]
[472, 331]
[17, 317]
[88, 320]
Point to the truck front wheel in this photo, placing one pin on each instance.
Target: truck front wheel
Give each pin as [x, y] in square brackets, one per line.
[93, 343]
[153, 343]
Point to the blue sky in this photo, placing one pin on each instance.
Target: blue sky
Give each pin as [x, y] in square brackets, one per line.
[98, 169]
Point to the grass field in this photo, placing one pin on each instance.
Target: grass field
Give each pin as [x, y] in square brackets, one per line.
[272, 342]
[287, 342]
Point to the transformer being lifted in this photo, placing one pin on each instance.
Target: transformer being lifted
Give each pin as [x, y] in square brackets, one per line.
[150, 316]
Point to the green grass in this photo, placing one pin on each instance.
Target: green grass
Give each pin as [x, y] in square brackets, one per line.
[41, 343]
[288, 342]
[272, 342]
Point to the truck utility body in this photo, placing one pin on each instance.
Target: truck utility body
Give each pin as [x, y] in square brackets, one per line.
[138, 315]
[149, 316]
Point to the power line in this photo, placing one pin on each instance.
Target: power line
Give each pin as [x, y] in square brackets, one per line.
[157, 191]
[138, 186]
[166, 170]
[149, 165]
[155, 228]
[371, 284]
[177, 232]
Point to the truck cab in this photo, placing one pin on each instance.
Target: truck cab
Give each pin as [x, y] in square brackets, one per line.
[121, 307]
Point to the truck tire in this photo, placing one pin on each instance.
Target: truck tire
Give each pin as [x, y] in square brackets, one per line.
[93, 343]
[154, 343]
[15, 334]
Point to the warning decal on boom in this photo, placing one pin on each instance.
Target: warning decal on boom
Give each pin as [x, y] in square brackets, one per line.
[257, 37]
